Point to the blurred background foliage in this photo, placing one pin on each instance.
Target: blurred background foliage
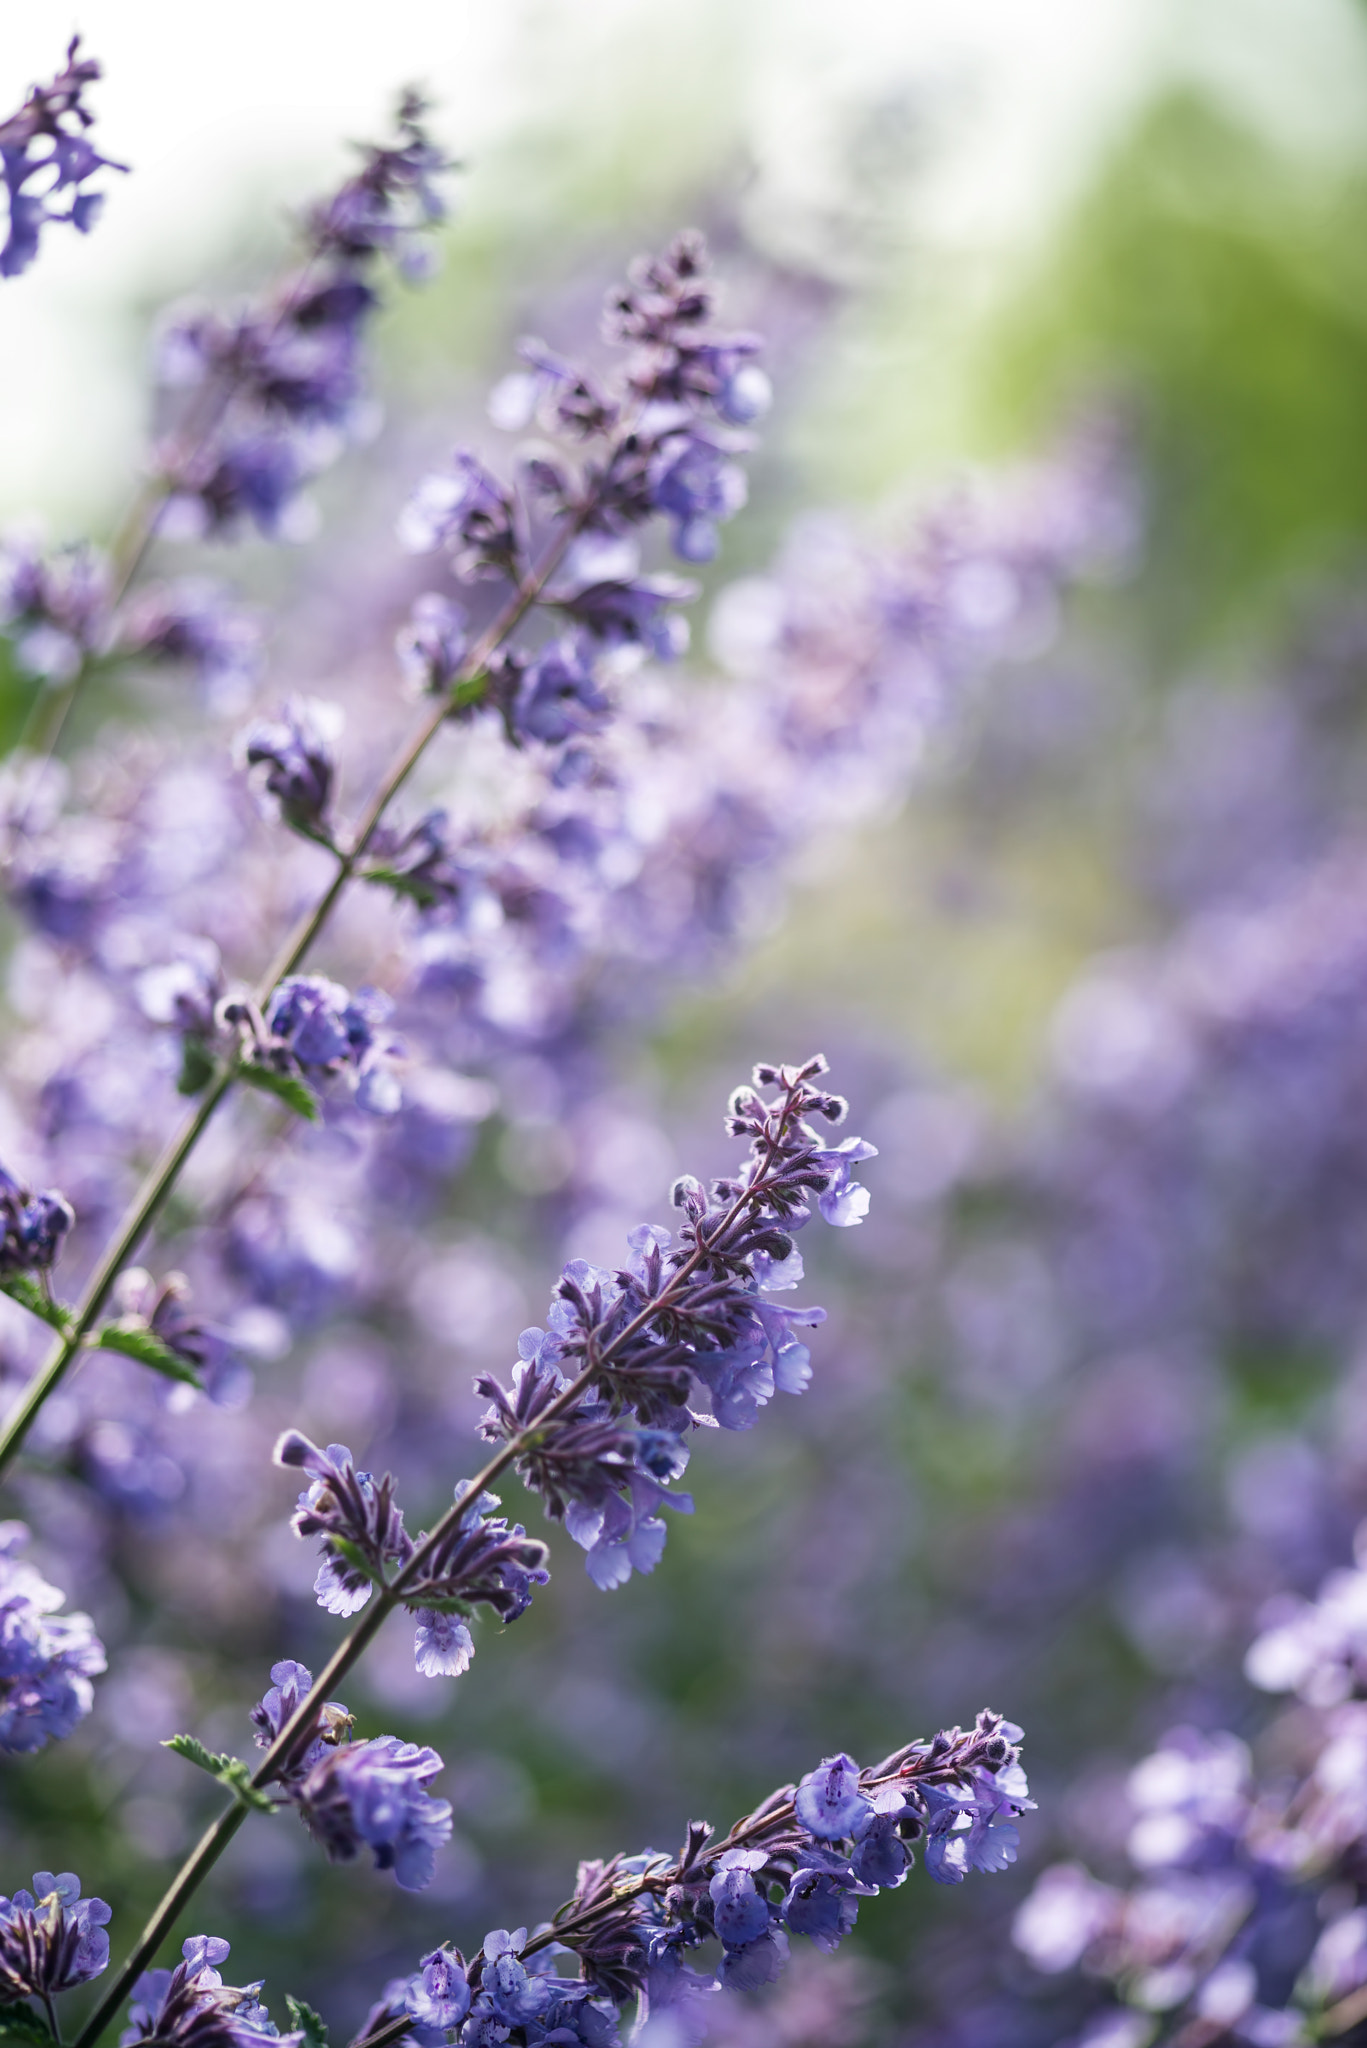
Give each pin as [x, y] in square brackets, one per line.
[869, 1561]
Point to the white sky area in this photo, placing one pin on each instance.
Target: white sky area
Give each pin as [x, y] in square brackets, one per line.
[209, 103]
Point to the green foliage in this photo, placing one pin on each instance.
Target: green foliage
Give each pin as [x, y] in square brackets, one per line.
[286, 1088]
[1213, 286]
[196, 1067]
[135, 1340]
[30, 1293]
[304, 2020]
[230, 1771]
[21, 2023]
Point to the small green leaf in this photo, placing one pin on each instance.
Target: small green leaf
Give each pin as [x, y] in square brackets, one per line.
[414, 886]
[194, 1752]
[22, 2023]
[286, 1088]
[238, 1778]
[472, 691]
[351, 1553]
[197, 1067]
[135, 1340]
[230, 1771]
[28, 1290]
[307, 2022]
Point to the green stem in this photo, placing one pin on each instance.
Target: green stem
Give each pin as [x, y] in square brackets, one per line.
[116, 1255]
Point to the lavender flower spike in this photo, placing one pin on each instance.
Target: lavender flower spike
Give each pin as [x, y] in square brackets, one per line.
[798, 1865]
[45, 150]
[684, 1328]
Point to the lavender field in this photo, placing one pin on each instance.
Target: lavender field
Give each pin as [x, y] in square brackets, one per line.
[683, 1145]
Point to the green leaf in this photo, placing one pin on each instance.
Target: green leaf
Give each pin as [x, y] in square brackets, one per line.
[352, 1554]
[307, 2022]
[230, 1771]
[22, 2023]
[472, 691]
[28, 1290]
[135, 1340]
[287, 1088]
[197, 1067]
[413, 886]
[238, 1778]
[194, 1752]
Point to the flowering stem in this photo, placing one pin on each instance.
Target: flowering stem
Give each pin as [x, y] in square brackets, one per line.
[161, 1179]
[297, 1731]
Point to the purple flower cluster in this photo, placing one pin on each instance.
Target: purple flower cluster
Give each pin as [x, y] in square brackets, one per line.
[1245, 1917]
[47, 1659]
[318, 1031]
[653, 442]
[46, 153]
[799, 1864]
[191, 2006]
[475, 1558]
[256, 403]
[50, 1938]
[295, 763]
[684, 1322]
[353, 1796]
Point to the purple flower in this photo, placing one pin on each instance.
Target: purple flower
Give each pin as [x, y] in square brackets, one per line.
[470, 513]
[443, 1645]
[191, 2006]
[290, 1685]
[432, 645]
[881, 1856]
[829, 1802]
[47, 145]
[296, 763]
[256, 479]
[971, 1826]
[759, 1963]
[818, 1905]
[682, 1317]
[555, 694]
[739, 1914]
[373, 1795]
[54, 607]
[163, 1308]
[625, 1533]
[33, 1228]
[842, 1201]
[47, 1659]
[50, 1938]
[479, 1561]
[560, 395]
[440, 1997]
[350, 1508]
[185, 991]
[194, 621]
[633, 612]
[696, 487]
[318, 1028]
[381, 210]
